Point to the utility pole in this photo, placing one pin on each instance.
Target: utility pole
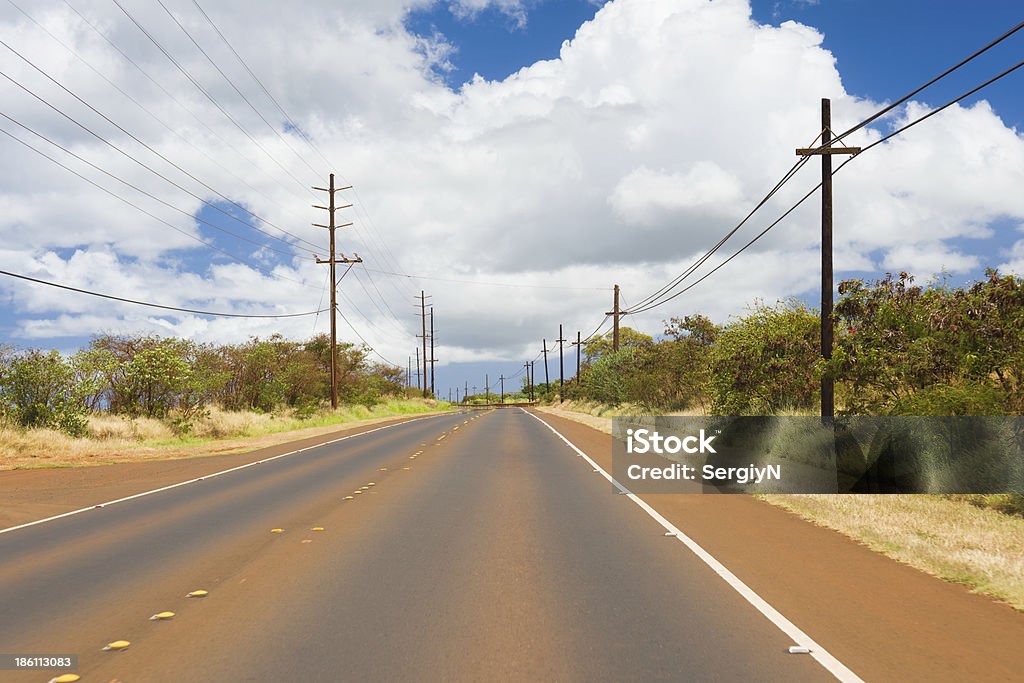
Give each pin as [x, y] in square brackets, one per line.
[457, 395]
[578, 344]
[545, 351]
[828, 397]
[423, 314]
[561, 364]
[529, 383]
[449, 394]
[432, 359]
[502, 380]
[333, 262]
[615, 314]
[417, 368]
[465, 392]
[408, 374]
[487, 387]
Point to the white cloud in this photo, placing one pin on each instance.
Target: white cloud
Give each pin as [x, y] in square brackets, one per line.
[619, 161]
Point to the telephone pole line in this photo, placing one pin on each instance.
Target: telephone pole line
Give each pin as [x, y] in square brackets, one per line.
[333, 262]
[615, 313]
[828, 397]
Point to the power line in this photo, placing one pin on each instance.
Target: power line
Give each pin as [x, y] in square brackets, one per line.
[818, 186]
[151, 215]
[183, 107]
[148, 147]
[152, 305]
[205, 93]
[141, 106]
[233, 86]
[650, 300]
[140, 190]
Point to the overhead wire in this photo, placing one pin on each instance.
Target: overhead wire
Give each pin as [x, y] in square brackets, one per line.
[208, 96]
[651, 299]
[249, 161]
[102, 139]
[891, 135]
[135, 206]
[152, 305]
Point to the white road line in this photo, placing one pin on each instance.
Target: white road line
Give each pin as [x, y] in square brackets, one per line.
[215, 474]
[820, 654]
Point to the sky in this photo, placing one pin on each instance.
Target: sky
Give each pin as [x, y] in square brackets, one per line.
[513, 159]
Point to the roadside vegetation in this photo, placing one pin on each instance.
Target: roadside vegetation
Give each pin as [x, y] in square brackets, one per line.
[132, 396]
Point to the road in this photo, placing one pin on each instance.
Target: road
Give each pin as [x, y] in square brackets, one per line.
[483, 547]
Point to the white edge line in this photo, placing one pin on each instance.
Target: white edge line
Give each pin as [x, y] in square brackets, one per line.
[820, 654]
[215, 474]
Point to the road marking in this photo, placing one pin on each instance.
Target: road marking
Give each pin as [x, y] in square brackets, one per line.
[277, 531]
[160, 616]
[117, 645]
[198, 594]
[820, 654]
[215, 474]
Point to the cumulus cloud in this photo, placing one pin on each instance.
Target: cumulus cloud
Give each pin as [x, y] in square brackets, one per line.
[620, 161]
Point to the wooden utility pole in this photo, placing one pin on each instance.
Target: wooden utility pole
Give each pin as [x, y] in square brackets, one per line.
[502, 380]
[615, 314]
[465, 392]
[333, 262]
[561, 364]
[578, 344]
[547, 381]
[432, 358]
[825, 151]
[408, 374]
[529, 383]
[533, 380]
[423, 315]
[487, 387]
[417, 368]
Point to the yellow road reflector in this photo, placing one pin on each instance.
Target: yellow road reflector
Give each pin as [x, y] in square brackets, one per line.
[117, 645]
[197, 594]
[406, 468]
[277, 531]
[66, 678]
[160, 616]
[383, 469]
[357, 492]
[349, 497]
[306, 540]
[371, 483]
[364, 488]
[317, 528]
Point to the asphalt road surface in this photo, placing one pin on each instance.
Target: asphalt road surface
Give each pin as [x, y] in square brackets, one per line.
[479, 546]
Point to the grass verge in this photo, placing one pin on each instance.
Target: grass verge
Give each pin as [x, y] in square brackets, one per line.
[117, 439]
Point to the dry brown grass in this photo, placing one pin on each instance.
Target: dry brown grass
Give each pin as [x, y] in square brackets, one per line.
[951, 539]
[119, 439]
